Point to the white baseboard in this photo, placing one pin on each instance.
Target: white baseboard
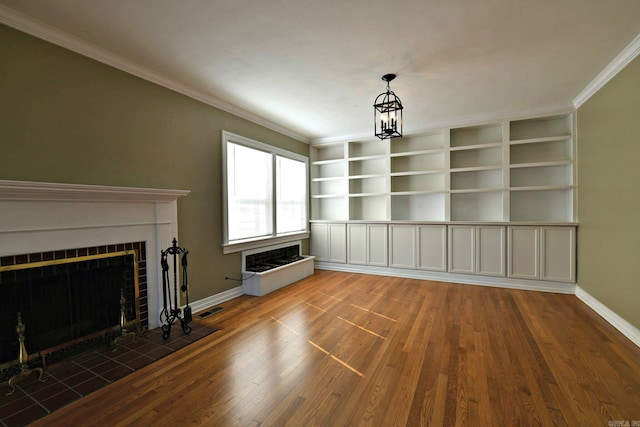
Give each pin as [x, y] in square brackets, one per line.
[216, 299]
[626, 328]
[466, 279]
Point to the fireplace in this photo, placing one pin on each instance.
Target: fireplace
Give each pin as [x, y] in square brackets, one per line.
[49, 220]
[69, 296]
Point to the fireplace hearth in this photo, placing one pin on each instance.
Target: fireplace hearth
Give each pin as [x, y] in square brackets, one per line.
[68, 296]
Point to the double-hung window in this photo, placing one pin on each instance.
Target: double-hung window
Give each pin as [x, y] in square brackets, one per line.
[264, 193]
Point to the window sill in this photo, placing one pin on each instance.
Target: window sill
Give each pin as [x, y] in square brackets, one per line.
[229, 248]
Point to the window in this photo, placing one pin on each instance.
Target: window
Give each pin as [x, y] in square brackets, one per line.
[264, 193]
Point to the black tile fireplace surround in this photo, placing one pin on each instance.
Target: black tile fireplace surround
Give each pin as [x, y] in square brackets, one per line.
[67, 295]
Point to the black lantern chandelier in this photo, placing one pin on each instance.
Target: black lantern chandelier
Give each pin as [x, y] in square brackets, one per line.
[387, 113]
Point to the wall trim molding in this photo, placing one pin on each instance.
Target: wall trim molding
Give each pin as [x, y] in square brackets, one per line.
[627, 55]
[626, 328]
[216, 299]
[50, 34]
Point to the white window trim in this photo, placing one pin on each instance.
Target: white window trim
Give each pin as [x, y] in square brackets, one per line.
[274, 238]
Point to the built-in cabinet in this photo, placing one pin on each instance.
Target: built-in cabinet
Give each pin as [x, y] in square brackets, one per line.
[494, 200]
[477, 249]
[367, 244]
[432, 247]
[462, 249]
[421, 246]
[329, 242]
[512, 170]
[542, 252]
[403, 245]
[531, 252]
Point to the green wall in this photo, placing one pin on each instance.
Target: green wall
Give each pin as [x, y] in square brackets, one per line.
[609, 194]
[69, 119]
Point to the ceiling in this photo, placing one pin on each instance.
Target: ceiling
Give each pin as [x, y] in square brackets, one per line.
[313, 68]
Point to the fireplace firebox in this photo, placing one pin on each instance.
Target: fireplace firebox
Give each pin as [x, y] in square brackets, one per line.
[65, 297]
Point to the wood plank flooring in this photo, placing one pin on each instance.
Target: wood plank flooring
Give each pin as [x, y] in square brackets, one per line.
[342, 349]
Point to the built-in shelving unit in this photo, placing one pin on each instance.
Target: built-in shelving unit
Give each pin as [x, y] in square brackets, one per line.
[505, 171]
[542, 183]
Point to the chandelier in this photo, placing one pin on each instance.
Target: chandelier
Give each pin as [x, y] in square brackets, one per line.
[387, 113]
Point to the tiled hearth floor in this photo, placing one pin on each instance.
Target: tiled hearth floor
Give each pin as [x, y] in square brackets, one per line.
[70, 379]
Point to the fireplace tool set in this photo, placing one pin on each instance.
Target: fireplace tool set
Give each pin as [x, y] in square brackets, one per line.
[172, 311]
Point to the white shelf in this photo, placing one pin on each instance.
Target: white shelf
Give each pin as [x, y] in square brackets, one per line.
[476, 168]
[541, 164]
[368, 208]
[330, 178]
[543, 127]
[419, 207]
[490, 156]
[418, 163]
[326, 162]
[542, 152]
[476, 190]
[333, 152]
[476, 135]
[330, 208]
[361, 158]
[425, 172]
[542, 205]
[543, 188]
[417, 192]
[536, 140]
[418, 144]
[365, 149]
[376, 184]
[476, 146]
[372, 175]
[328, 196]
[416, 153]
[536, 175]
[368, 167]
[478, 206]
[422, 182]
[355, 195]
[476, 179]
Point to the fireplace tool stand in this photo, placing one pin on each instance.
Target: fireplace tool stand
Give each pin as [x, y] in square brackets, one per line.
[172, 311]
[23, 359]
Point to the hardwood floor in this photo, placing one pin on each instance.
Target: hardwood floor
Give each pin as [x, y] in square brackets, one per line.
[341, 349]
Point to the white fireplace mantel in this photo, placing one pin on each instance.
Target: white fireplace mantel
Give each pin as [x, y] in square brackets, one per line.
[40, 217]
[26, 190]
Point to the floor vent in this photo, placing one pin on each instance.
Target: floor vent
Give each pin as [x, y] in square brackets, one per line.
[210, 312]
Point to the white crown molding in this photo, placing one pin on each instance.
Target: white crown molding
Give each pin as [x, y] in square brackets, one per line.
[50, 34]
[622, 60]
[26, 190]
[626, 328]
[460, 121]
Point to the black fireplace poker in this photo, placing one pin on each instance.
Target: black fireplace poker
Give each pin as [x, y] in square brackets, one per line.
[171, 313]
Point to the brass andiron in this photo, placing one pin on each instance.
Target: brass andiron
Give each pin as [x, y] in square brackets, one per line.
[23, 359]
[124, 332]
